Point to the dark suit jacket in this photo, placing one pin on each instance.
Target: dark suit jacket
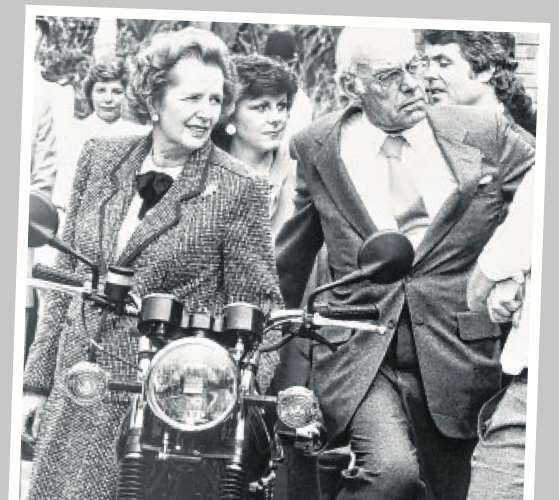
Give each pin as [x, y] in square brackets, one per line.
[457, 349]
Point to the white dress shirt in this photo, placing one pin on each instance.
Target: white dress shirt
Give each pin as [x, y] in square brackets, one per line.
[367, 166]
[131, 220]
[507, 254]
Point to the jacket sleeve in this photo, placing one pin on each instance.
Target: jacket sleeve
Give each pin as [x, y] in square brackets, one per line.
[516, 156]
[43, 159]
[249, 267]
[299, 240]
[40, 367]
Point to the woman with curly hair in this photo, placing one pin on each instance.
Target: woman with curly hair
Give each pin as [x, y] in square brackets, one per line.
[254, 131]
[189, 219]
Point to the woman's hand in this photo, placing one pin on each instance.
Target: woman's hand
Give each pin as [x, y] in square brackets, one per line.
[33, 405]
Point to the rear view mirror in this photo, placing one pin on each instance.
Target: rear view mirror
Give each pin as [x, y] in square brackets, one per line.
[384, 257]
[43, 220]
[43, 225]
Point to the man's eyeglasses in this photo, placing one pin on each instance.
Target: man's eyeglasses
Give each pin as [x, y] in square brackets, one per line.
[394, 76]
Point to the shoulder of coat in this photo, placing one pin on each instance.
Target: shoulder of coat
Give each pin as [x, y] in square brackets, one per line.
[464, 119]
[224, 160]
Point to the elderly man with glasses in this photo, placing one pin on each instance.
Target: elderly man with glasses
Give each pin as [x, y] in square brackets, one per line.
[407, 401]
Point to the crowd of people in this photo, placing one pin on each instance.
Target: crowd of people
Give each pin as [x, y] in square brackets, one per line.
[231, 192]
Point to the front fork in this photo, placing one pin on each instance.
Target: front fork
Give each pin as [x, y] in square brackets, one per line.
[233, 479]
[131, 485]
[234, 482]
[133, 466]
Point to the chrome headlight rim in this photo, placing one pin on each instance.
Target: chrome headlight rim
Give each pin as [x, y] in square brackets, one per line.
[151, 397]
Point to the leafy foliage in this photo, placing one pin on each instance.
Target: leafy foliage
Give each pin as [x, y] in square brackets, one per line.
[69, 49]
[69, 52]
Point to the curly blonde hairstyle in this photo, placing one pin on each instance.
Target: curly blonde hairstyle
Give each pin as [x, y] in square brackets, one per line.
[157, 56]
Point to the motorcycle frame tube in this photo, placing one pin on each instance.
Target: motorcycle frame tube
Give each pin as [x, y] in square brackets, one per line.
[154, 407]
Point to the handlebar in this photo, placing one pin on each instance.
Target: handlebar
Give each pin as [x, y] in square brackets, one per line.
[367, 312]
[311, 322]
[53, 275]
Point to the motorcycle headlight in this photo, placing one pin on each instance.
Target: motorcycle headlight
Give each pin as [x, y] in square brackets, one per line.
[192, 384]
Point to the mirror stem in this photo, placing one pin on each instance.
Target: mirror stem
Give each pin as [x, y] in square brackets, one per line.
[61, 246]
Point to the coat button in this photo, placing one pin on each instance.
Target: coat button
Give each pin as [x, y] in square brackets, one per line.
[69, 321]
[391, 324]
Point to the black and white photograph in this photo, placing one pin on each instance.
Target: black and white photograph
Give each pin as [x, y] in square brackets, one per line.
[272, 256]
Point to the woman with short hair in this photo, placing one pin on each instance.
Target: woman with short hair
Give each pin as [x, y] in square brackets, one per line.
[254, 131]
[205, 239]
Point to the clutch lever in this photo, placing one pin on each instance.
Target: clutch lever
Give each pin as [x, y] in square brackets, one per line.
[319, 320]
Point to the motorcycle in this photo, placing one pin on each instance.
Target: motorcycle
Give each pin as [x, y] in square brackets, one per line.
[198, 425]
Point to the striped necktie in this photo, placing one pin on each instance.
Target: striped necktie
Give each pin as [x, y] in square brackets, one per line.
[407, 203]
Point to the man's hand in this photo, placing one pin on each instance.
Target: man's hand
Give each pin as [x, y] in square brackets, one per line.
[504, 302]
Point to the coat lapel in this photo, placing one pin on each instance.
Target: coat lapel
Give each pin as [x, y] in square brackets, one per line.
[338, 182]
[466, 164]
[167, 212]
[117, 192]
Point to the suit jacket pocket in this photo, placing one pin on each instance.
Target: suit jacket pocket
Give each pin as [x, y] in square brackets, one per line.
[474, 326]
[479, 335]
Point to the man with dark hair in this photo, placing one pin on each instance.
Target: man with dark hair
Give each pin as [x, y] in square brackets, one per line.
[477, 68]
[408, 399]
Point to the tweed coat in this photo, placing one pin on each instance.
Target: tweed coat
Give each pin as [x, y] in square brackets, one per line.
[457, 349]
[207, 241]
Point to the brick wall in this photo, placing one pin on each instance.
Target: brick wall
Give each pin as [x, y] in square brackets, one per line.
[527, 53]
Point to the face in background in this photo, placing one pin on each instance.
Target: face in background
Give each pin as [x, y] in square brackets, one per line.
[261, 122]
[190, 106]
[450, 79]
[107, 98]
[389, 88]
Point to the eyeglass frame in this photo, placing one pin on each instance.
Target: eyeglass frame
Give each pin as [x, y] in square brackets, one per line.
[400, 70]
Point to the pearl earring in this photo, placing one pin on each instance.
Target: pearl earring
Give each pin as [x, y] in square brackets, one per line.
[230, 129]
[155, 117]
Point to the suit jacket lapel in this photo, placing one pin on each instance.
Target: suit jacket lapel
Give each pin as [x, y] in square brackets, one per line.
[117, 192]
[167, 212]
[337, 181]
[465, 163]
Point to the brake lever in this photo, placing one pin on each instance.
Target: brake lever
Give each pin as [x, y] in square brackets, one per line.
[319, 320]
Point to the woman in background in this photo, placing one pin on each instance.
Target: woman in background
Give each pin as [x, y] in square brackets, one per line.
[254, 131]
[104, 88]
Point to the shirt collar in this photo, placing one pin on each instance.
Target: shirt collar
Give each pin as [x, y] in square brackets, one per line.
[376, 135]
[415, 136]
[149, 165]
[418, 135]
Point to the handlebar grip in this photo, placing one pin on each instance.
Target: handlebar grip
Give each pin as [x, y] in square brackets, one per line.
[369, 312]
[42, 272]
